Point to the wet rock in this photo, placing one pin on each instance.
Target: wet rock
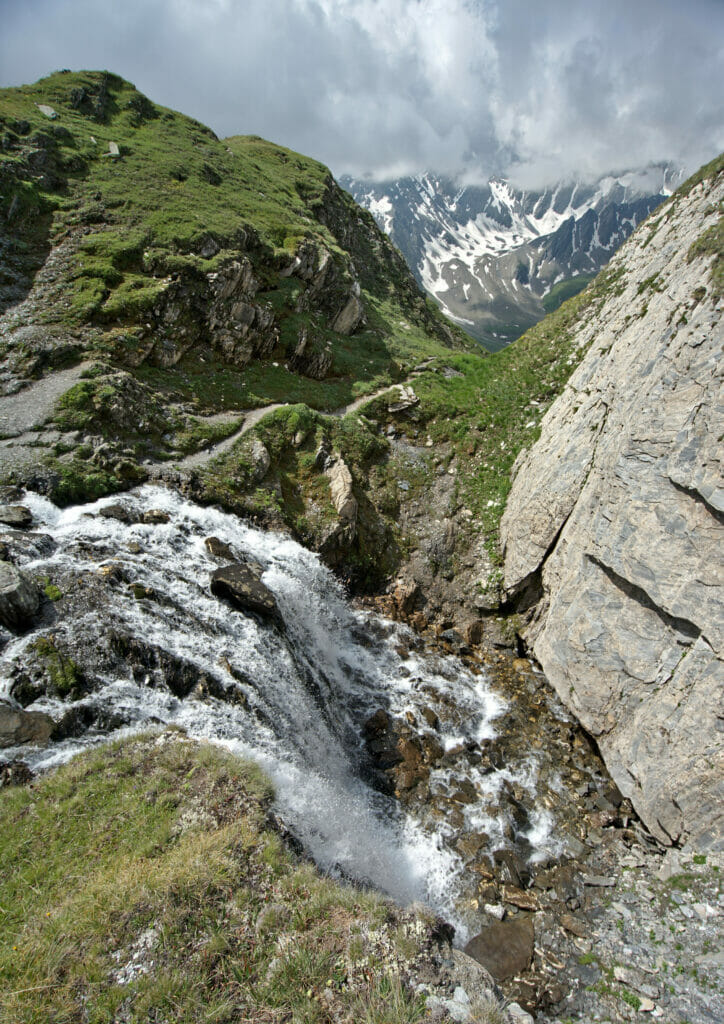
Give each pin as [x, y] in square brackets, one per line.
[18, 726]
[242, 588]
[119, 512]
[19, 598]
[155, 517]
[465, 793]
[505, 948]
[81, 717]
[141, 592]
[511, 868]
[376, 724]
[17, 516]
[153, 666]
[219, 549]
[470, 844]
[431, 718]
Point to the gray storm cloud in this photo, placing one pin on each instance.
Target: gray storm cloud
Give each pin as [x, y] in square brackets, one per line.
[387, 87]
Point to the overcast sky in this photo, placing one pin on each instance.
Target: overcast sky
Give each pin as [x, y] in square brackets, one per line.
[536, 89]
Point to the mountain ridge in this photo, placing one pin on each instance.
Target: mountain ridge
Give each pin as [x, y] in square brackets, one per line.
[490, 254]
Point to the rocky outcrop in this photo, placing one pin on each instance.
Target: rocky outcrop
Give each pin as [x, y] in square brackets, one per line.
[614, 531]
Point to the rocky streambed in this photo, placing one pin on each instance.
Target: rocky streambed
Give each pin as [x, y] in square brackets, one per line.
[436, 771]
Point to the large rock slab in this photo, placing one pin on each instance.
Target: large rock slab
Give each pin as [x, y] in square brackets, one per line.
[18, 727]
[239, 585]
[19, 598]
[616, 517]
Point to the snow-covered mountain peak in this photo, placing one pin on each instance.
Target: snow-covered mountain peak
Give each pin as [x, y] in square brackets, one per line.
[489, 253]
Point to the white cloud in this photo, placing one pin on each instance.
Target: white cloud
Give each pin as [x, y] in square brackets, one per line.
[537, 90]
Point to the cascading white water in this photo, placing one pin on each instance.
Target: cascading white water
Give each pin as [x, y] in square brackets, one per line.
[305, 690]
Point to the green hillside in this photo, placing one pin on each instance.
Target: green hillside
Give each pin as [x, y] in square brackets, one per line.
[178, 204]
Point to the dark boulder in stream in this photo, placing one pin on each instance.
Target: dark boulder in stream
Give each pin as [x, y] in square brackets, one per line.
[241, 587]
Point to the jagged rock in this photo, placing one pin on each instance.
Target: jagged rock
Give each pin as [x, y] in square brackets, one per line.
[239, 585]
[19, 598]
[616, 516]
[18, 726]
[340, 486]
[16, 515]
[312, 361]
[406, 399]
[260, 460]
[504, 948]
[155, 517]
[219, 549]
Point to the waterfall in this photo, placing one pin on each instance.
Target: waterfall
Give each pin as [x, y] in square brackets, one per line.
[293, 697]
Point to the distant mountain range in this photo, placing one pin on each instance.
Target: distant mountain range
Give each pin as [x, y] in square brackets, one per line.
[497, 259]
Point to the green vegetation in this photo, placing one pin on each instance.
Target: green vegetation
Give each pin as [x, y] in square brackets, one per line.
[631, 998]
[565, 290]
[493, 406]
[64, 675]
[711, 243]
[708, 172]
[141, 882]
[50, 590]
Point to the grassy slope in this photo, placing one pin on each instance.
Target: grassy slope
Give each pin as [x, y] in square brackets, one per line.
[141, 882]
[180, 204]
[175, 186]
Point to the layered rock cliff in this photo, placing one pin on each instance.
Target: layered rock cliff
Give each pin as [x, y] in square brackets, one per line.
[613, 533]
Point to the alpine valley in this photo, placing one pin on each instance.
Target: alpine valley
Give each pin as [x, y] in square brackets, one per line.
[350, 672]
[496, 259]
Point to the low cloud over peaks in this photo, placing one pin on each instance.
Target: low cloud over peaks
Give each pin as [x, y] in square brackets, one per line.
[389, 87]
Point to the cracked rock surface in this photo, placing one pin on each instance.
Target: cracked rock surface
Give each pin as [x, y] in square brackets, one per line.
[613, 533]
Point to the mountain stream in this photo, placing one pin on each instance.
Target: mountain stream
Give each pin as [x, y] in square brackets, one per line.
[293, 695]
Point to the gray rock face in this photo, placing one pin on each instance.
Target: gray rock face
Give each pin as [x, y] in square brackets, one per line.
[19, 598]
[617, 513]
